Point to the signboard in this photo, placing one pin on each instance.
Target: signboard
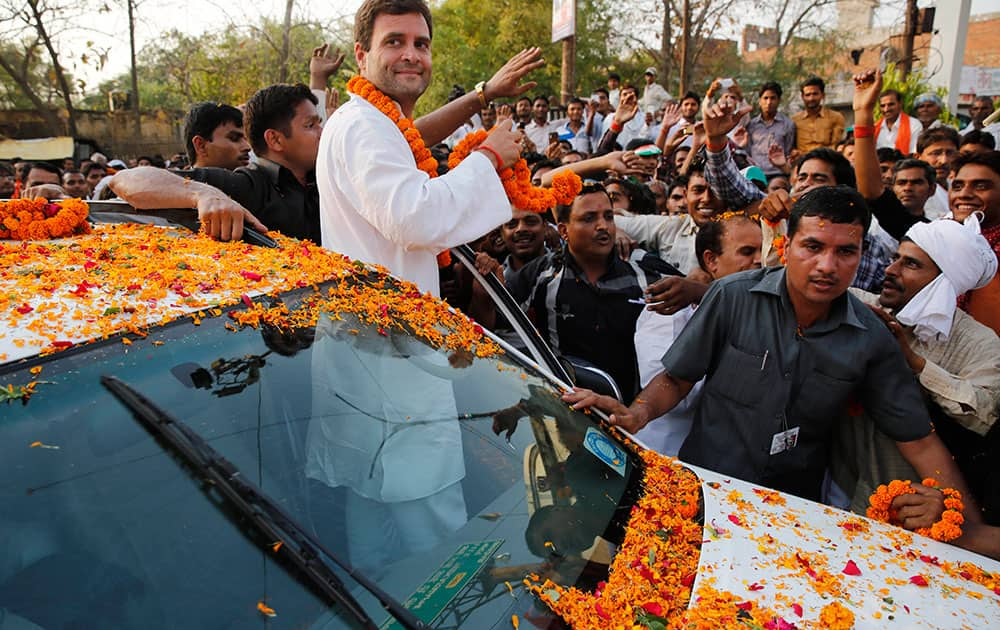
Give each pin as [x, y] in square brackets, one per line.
[563, 19]
[37, 148]
[980, 81]
[437, 591]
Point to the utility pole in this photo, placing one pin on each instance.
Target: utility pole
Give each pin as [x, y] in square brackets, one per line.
[685, 45]
[136, 112]
[286, 42]
[665, 46]
[906, 63]
[564, 29]
[568, 85]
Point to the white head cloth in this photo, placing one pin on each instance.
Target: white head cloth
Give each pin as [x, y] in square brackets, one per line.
[966, 261]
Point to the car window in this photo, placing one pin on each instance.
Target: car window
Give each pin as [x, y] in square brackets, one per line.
[383, 446]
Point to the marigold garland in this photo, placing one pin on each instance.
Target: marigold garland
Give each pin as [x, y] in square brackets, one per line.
[651, 578]
[423, 156]
[946, 529]
[778, 245]
[654, 569]
[40, 219]
[516, 179]
[123, 278]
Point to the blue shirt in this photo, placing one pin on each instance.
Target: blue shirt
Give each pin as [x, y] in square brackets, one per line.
[579, 139]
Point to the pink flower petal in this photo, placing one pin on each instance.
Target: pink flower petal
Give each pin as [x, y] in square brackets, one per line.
[919, 580]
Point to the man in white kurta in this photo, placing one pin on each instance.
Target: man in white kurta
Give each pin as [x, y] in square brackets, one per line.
[377, 206]
[398, 452]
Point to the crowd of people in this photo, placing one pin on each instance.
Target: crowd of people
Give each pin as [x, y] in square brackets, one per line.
[782, 297]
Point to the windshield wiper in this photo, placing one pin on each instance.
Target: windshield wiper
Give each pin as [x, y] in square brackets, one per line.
[297, 545]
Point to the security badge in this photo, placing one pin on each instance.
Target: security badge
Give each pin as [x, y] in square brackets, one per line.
[784, 440]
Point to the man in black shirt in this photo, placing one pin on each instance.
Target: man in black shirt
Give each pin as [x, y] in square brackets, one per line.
[278, 190]
[584, 299]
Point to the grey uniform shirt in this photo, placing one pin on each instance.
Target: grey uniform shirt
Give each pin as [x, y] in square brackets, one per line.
[762, 377]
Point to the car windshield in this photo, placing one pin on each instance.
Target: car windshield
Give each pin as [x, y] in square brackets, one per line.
[443, 476]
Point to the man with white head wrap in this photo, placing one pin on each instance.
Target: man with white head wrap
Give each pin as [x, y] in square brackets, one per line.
[965, 262]
[955, 359]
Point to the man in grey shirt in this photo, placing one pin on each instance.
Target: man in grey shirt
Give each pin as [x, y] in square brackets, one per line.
[783, 351]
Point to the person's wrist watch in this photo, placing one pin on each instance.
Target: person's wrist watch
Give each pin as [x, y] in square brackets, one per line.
[481, 92]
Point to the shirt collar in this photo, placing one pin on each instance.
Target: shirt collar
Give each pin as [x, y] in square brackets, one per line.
[778, 116]
[690, 227]
[616, 266]
[842, 310]
[271, 169]
[274, 170]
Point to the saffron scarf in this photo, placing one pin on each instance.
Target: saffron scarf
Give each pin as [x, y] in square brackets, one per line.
[902, 135]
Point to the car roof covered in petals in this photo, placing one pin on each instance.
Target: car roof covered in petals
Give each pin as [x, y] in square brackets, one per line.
[123, 278]
[794, 556]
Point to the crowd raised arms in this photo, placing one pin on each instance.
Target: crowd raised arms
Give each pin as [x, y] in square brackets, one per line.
[739, 266]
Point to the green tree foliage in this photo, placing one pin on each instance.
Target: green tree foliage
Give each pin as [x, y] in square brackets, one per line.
[33, 66]
[225, 66]
[26, 59]
[472, 39]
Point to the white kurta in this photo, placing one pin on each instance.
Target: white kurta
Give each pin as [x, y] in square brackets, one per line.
[377, 206]
[654, 334]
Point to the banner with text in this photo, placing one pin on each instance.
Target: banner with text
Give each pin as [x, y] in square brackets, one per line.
[563, 19]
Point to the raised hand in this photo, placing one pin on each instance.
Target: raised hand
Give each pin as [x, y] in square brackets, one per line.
[527, 146]
[505, 141]
[507, 80]
[867, 87]
[332, 101]
[628, 107]
[721, 118]
[555, 150]
[323, 65]
[697, 135]
[740, 136]
[671, 115]
[504, 113]
[714, 88]
[776, 155]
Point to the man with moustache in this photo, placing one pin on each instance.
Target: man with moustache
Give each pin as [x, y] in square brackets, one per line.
[782, 350]
[584, 299]
[524, 238]
[214, 136]
[955, 359]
